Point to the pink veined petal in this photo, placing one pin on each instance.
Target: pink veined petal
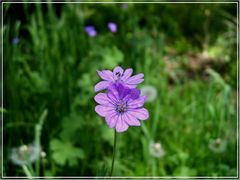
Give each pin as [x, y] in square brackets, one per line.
[130, 94]
[118, 69]
[123, 92]
[135, 93]
[113, 93]
[135, 79]
[104, 110]
[127, 73]
[131, 85]
[130, 120]
[136, 103]
[111, 120]
[106, 75]
[121, 125]
[103, 99]
[141, 113]
[101, 86]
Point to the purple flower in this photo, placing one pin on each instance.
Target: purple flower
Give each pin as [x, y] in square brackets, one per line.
[112, 27]
[121, 107]
[118, 75]
[15, 40]
[91, 31]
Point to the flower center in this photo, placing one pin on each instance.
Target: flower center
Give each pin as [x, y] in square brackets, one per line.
[118, 76]
[121, 107]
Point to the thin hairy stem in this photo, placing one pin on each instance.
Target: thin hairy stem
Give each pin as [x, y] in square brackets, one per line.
[114, 151]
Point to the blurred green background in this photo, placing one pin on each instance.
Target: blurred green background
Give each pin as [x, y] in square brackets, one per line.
[187, 53]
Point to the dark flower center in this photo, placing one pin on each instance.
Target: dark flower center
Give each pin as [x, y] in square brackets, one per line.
[118, 74]
[121, 107]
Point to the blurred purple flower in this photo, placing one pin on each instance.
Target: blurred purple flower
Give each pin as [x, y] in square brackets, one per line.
[15, 40]
[90, 30]
[112, 27]
[118, 75]
[121, 106]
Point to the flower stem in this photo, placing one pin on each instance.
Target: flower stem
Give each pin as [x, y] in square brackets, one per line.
[27, 171]
[114, 151]
[38, 131]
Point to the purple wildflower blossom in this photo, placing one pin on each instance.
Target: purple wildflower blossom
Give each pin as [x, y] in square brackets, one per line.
[121, 106]
[15, 40]
[112, 27]
[118, 75]
[90, 30]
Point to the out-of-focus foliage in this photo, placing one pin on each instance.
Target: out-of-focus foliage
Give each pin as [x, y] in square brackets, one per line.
[64, 152]
[187, 52]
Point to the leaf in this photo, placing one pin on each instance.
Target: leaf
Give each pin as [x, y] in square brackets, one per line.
[102, 169]
[39, 84]
[65, 152]
[185, 171]
[112, 57]
[107, 134]
[70, 125]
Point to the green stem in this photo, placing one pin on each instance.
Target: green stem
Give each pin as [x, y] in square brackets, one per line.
[38, 131]
[154, 167]
[37, 141]
[114, 151]
[26, 171]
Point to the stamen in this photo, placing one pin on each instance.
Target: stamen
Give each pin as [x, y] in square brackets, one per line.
[118, 74]
[121, 107]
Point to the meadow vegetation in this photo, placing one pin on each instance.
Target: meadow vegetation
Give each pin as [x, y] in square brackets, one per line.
[187, 53]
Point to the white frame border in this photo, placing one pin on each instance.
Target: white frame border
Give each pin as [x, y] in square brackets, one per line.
[132, 177]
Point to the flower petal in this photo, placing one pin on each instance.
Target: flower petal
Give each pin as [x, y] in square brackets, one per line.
[141, 113]
[113, 93]
[123, 91]
[103, 99]
[135, 79]
[117, 91]
[121, 125]
[118, 69]
[130, 120]
[104, 110]
[136, 103]
[135, 93]
[106, 75]
[101, 86]
[131, 85]
[111, 120]
[127, 73]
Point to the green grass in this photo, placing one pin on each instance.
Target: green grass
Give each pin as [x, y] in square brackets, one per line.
[53, 68]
